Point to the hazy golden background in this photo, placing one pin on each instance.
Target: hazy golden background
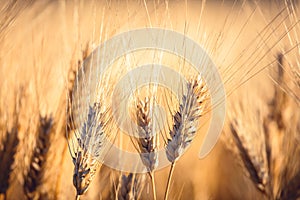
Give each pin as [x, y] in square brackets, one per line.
[41, 42]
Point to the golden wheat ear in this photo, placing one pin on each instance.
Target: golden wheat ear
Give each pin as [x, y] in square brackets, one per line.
[130, 186]
[147, 141]
[37, 169]
[268, 143]
[8, 148]
[7, 157]
[186, 119]
[254, 173]
[87, 148]
[185, 122]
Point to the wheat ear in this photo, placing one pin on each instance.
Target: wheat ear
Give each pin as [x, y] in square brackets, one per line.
[147, 141]
[255, 171]
[35, 175]
[185, 123]
[8, 149]
[130, 186]
[7, 157]
[88, 149]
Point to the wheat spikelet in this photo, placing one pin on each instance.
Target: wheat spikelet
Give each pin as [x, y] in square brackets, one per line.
[268, 144]
[8, 148]
[186, 119]
[254, 166]
[7, 157]
[88, 149]
[249, 139]
[147, 139]
[35, 175]
[130, 187]
[273, 175]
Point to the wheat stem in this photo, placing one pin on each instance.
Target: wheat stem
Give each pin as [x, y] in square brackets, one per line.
[169, 180]
[147, 142]
[153, 184]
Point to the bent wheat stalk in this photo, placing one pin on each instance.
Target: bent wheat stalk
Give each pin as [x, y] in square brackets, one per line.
[185, 123]
[88, 149]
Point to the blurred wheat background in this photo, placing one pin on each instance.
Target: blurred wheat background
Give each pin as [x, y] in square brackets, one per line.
[254, 44]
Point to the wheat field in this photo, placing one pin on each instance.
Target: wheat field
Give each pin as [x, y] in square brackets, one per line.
[53, 130]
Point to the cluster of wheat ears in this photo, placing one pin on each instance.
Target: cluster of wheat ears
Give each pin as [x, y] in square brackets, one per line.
[261, 132]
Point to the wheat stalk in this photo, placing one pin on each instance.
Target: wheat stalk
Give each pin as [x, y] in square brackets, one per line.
[254, 170]
[35, 175]
[185, 123]
[270, 155]
[86, 154]
[252, 145]
[147, 141]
